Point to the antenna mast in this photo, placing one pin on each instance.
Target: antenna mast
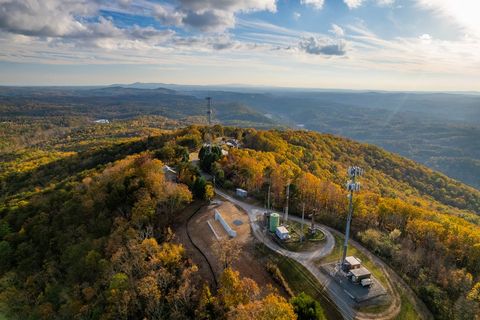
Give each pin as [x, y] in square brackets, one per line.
[209, 110]
[209, 129]
[352, 186]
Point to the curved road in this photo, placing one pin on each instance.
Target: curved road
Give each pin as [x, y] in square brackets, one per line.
[339, 297]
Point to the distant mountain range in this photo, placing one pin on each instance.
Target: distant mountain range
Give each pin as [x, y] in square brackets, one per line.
[441, 130]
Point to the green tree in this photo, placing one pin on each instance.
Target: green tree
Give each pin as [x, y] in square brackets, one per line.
[306, 308]
[202, 189]
[208, 156]
[5, 255]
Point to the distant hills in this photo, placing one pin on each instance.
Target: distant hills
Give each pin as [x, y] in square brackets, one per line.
[440, 130]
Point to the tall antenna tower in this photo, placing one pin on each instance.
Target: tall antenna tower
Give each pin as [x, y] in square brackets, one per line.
[352, 186]
[209, 129]
[209, 110]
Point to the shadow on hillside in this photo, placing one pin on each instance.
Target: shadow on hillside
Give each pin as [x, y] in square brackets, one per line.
[59, 170]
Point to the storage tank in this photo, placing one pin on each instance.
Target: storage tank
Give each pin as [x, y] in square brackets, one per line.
[274, 221]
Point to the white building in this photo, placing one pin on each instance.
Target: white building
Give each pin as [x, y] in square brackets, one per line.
[103, 121]
[352, 263]
[241, 193]
[232, 233]
[282, 233]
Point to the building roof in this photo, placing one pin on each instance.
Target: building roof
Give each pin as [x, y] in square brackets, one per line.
[241, 190]
[168, 169]
[360, 272]
[351, 260]
[282, 229]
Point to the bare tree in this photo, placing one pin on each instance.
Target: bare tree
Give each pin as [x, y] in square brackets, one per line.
[227, 250]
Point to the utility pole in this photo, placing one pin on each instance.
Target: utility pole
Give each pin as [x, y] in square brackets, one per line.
[312, 228]
[314, 211]
[285, 218]
[303, 219]
[352, 186]
[268, 198]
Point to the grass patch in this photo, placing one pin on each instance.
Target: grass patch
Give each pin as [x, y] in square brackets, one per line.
[407, 311]
[299, 279]
[379, 308]
[310, 241]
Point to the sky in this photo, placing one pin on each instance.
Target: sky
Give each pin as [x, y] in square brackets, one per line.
[343, 44]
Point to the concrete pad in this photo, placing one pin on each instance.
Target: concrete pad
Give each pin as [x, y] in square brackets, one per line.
[355, 291]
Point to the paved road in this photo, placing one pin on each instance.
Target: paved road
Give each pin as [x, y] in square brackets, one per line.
[335, 292]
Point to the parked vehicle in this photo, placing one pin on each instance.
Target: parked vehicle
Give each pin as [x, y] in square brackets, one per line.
[366, 282]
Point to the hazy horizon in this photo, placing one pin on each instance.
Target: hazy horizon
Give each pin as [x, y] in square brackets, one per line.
[393, 45]
[234, 86]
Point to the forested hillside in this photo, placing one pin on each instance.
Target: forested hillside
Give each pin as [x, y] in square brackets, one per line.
[85, 221]
[419, 126]
[438, 130]
[425, 225]
[87, 235]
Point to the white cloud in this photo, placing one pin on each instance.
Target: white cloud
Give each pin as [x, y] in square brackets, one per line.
[352, 4]
[296, 15]
[337, 30]
[322, 46]
[385, 3]
[228, 5]
[465, 13]
[167, 15]
[73, 32]
[45, 18]
[316, 4]
[219, 15]
[426, 38]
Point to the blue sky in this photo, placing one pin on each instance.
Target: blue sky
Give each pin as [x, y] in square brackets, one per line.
[351, 44]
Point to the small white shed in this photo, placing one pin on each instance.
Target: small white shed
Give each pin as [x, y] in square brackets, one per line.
[282, 233]
[241, 193]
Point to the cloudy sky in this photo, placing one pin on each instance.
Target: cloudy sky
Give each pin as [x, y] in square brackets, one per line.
[355, 44]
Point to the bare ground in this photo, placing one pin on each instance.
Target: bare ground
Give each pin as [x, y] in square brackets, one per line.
[247, 264]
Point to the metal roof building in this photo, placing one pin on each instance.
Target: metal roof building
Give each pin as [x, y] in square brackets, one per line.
[282, 233]
[360, 274]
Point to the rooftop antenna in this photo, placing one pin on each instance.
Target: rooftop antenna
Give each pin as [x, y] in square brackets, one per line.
[352, 186]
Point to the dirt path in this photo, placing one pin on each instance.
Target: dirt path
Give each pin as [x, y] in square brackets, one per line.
[182, 235]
